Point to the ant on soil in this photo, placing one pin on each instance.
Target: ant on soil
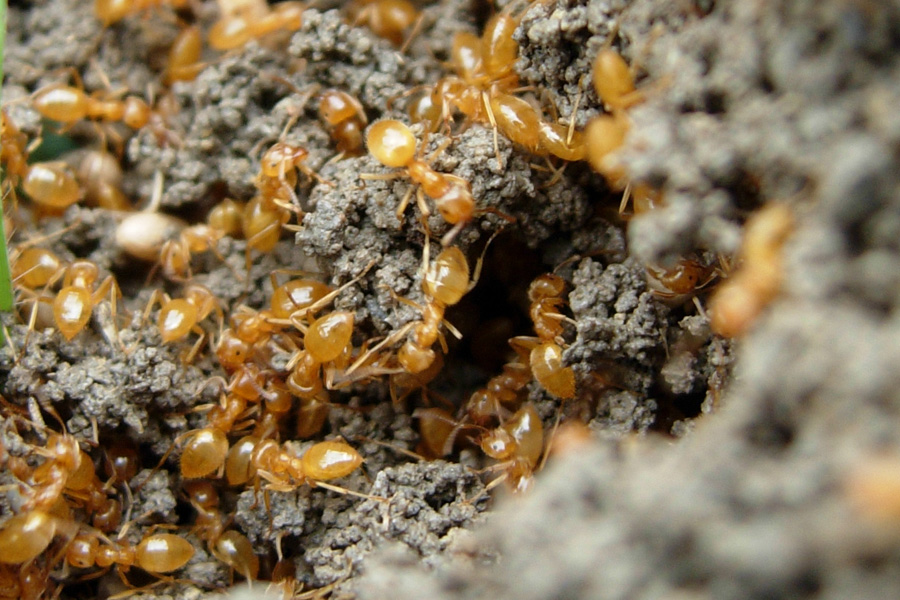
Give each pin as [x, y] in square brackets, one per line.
[393, 144]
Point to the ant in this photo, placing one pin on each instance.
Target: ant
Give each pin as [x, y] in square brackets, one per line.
[101, 176]
[51, 185]
[686, 277]
[325, 340]
[518, 443]
[36, 267]
[27, 581]
[231, 547]
[486, 404]
[68, 470]
[112, 11]
[254, 22]
[614, 84]
[437, 432]
[67, 104]
[545, 294]
[740, 298]
[445, 282]
[388, 19]
[536, 357]
[184, 56]
[180, 316]
[74, 303]
[296, 296]
[482, 87]
[266, 214]
[13, 151]
[158, 553]
[393, 144]
[266, 458]
[205, 451]
[175, 254]
[26, 536]
[346, 120]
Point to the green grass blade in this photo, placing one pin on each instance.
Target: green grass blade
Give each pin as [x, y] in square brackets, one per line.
[7, 301]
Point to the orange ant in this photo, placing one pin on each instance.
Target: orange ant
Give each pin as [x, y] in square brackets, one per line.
[325, 340]
[545, 294]
[346, 119]
[180, 316]
[482, 89]
[26, 536]
[740, 298]
[254, 22]
[437, 432]
[121, 460]
[27, 581]
[157, 237]
[296, 296]
[605, 134]
[51, 185]
[75, 302]
[175, 254]
[66, 470]
[614, 81]
[184, 56]
[231, 547]
[322, 462]
[67, 104]
[388, 19]
[518, 442]
[13, 151]
[112, 11]
[36, 267]
[269, 210]
[445, 282]
[158, 553]
[538, 357]
[205, 451]
[685, 278]
[486, 404]
[393, 145]
[101, 176]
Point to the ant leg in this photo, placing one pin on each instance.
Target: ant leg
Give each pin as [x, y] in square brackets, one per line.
[109, 285]
[493, 121]
[424, 210]
[626, 195]
[417, 27]
[401, 208]
[191, 354]
[157, 297]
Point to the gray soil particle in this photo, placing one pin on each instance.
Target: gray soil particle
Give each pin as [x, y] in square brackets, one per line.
[617, 318]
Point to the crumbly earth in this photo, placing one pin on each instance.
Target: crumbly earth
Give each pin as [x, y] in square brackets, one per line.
[716, 469]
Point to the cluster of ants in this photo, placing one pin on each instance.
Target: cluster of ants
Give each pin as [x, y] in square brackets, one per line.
[69, 516]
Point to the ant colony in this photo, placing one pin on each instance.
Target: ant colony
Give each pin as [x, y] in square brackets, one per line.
[290, 363]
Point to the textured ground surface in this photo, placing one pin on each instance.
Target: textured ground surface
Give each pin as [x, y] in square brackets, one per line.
[747, 102]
